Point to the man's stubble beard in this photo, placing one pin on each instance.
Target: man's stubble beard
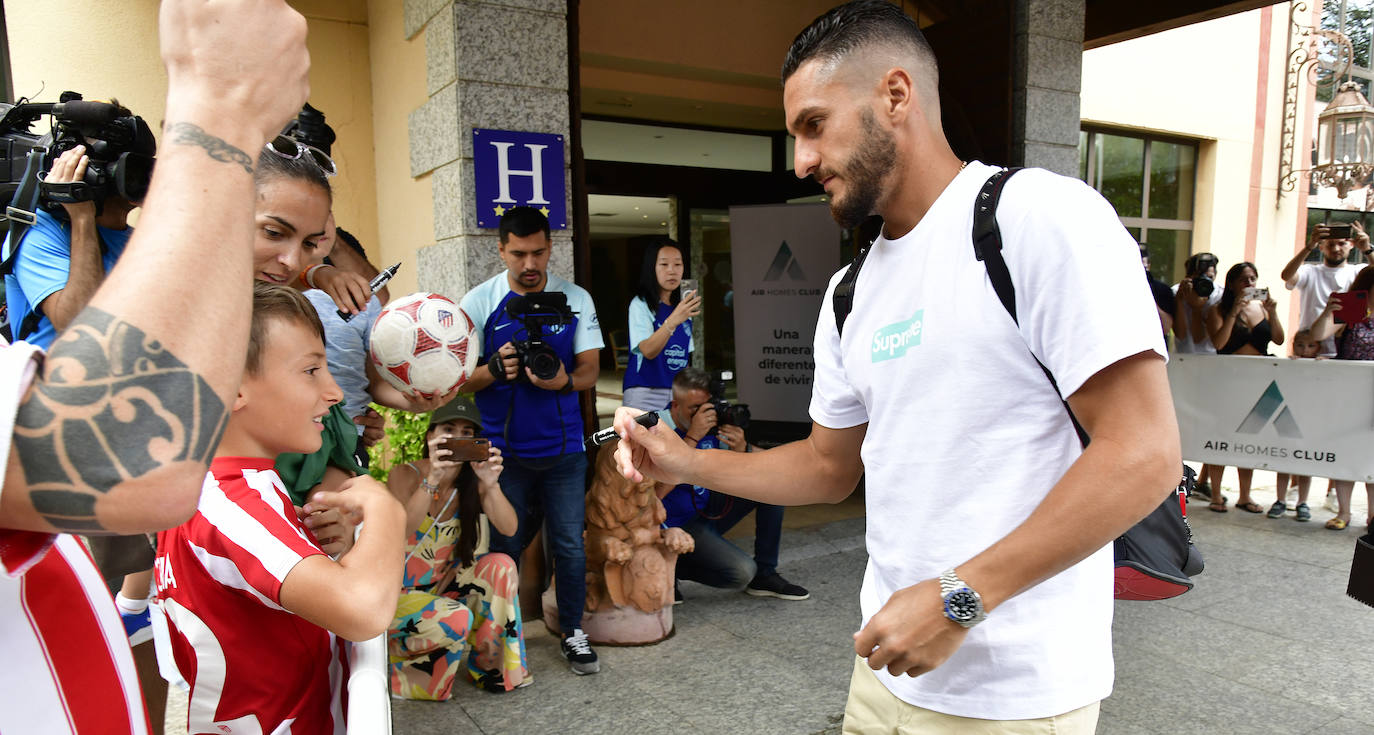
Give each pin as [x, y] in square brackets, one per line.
[864, 172]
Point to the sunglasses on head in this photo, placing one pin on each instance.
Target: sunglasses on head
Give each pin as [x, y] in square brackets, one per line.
[291, 149]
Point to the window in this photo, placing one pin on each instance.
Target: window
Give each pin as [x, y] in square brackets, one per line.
[1149, 181]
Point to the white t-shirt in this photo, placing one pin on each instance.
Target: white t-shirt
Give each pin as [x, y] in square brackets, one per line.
[966, 436]
[1197, 344]
[1315, 282]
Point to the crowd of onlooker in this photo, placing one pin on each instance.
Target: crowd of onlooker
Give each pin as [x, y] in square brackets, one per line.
[1238, 316]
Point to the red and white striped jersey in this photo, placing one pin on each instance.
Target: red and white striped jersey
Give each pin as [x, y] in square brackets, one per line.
[66, 665]
[253, 666]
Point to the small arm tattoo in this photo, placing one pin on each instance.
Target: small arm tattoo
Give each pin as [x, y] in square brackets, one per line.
[188, 134]
[112, 406]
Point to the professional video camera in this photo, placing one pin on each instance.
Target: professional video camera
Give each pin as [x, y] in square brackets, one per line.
[538, 312]
[726, 413]
[120, 148]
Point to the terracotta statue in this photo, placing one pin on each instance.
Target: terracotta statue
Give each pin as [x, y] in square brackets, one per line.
[630, 561]
[630, 557]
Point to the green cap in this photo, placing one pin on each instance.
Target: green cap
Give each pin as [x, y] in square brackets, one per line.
[459, 409]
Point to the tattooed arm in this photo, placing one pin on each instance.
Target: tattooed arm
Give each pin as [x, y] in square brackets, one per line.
[116, 433]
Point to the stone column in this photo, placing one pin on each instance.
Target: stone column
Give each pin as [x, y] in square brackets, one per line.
[498, 64]
[1047, 68]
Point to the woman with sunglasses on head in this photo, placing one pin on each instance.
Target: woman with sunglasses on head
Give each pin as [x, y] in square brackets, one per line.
[1239, 324]
[460, 605]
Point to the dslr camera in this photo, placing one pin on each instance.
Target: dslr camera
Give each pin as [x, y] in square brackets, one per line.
[119, 145]
[727, 414]
[538, 313]
[1196, 267]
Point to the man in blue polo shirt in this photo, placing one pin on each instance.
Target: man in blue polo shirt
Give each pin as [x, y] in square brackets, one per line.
[60, 264]
[535, 421]
[707, 516]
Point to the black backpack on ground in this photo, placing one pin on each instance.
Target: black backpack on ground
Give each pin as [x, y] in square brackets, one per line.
[1154, 558]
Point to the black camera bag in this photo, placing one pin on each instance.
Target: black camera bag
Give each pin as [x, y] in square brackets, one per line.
[1154, 558]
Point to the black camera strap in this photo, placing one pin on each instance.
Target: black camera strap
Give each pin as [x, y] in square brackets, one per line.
[22, 211]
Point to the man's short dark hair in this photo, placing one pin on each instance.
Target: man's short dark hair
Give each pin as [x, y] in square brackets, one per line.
[522, 222]
[854, 25]
[690, 378]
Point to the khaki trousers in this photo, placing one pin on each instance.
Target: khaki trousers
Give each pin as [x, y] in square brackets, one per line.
[873, 710]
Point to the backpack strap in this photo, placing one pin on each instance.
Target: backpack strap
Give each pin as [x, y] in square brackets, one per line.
[843, 298]
[22, 211]
[987, 247]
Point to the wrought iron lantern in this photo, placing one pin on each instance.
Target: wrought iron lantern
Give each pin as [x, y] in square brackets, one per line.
[1345, 141]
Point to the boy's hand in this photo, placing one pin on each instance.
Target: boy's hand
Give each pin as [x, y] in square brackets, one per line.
[332, 530]
[358, 499]
[374, 426]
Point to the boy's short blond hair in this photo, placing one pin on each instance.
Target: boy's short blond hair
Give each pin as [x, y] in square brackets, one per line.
[271, 302]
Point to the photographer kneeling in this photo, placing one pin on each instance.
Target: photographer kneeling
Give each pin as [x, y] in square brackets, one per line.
[707, 515]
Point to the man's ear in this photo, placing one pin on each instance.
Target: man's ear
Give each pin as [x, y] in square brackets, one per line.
[898, 92]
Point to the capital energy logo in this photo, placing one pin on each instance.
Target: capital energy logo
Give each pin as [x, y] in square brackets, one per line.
[895, 339]
[784, 262]
[1268, 409]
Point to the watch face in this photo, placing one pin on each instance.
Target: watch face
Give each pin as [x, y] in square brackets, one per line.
[961, 605]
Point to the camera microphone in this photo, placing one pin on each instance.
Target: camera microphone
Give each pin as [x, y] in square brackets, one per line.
[85, 112]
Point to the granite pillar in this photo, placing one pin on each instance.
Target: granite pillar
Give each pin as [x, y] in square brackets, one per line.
[1047, 72]
[499, 64]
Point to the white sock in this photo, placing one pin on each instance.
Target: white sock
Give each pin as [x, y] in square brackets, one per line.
[130, 607]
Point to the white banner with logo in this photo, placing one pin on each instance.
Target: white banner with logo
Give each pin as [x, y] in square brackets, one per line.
[782, 256]
[1308, 417]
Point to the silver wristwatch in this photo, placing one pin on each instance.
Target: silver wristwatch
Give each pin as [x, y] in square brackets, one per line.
[962, 604]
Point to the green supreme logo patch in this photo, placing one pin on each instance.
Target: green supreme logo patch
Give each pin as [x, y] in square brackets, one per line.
[894, 340]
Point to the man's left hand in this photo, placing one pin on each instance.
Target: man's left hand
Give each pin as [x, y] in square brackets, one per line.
[558, 382]
[910, 634]
[733, 437]
[1361, 237]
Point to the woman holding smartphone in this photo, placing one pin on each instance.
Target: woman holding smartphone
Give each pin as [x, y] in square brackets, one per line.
[1244, 322]
[459, 606]
[1354, 341]
[660, 327]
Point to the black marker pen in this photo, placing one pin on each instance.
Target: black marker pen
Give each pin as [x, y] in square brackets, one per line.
[372, 288]
[605, 435]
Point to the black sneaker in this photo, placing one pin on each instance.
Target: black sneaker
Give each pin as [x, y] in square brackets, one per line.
[579, 653]
[774, 585]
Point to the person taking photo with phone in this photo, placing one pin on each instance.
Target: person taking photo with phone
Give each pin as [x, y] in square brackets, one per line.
[1244, 322]
[660, 327]
[1315, 282]
[460, 606]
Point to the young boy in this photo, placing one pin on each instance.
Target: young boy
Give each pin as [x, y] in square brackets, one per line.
[254, 607]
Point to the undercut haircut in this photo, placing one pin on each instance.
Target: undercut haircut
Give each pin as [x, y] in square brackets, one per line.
[522, 222]
[272, 167]
[690, 378]
[855, 25]
[276, 303]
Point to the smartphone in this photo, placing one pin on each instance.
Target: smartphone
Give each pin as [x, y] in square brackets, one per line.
[467, 448]
[690, 285]
[1340, 232]
[1354, 306]
[1255, 293]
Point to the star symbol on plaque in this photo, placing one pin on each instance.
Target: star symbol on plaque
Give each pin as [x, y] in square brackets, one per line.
[544, 210]
[500, 210]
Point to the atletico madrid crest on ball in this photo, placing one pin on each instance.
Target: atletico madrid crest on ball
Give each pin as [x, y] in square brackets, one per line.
[424, 345]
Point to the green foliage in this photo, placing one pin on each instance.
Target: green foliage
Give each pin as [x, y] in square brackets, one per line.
[404, 442]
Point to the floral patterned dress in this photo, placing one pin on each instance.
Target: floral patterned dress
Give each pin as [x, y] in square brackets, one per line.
[472, 624]
[1357, 343]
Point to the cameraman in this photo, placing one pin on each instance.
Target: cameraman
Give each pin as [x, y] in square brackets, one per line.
[707, 516]
[535, 421]
[59, 265]
[1195, 293]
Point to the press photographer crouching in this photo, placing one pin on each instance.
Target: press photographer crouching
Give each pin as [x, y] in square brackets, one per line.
[79, 185]
[541, 344]
[706, 421]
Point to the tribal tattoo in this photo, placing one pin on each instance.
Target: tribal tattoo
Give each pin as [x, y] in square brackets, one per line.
[188, 134]
[113, 406]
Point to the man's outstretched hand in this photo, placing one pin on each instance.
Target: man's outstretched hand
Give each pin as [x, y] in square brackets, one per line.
[657, 452]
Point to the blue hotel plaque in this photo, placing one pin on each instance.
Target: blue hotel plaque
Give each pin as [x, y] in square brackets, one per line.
[519, 169]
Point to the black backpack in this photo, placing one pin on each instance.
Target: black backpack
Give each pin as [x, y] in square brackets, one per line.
[1155, 557]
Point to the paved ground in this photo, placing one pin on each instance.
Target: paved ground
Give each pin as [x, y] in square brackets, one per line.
[1267, 643]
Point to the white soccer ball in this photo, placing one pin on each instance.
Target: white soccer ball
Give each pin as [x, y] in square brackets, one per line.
[424, 345]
